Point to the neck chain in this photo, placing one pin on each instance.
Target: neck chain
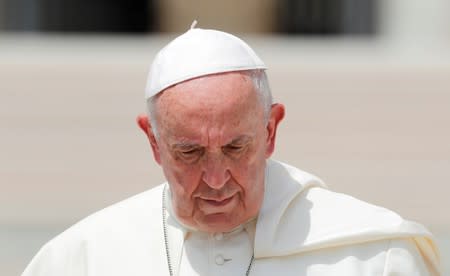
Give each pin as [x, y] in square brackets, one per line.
[166, 238]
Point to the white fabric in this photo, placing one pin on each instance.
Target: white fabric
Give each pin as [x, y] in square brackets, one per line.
[221, 253]
[302, 229]
[196, 53]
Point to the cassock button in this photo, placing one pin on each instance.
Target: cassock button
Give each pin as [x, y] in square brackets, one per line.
[220, 260]
[218, 236]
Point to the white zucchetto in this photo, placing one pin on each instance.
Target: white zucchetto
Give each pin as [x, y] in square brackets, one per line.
[199, 52]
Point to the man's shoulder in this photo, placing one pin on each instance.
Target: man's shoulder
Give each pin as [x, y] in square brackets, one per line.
[105, 236]
[126, 216]
[300, 214]
[303, 196]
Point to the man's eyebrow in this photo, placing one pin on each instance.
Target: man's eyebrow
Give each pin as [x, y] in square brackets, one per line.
[184, 145]
[190, 145]
[241, 139]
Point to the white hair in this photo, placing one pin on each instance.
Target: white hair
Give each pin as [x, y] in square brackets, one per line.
[262, 88]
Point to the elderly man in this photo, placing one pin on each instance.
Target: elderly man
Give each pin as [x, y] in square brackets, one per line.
[227, 209]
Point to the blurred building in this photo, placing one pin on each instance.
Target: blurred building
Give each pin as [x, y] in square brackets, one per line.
[321, 17]
[397, 19]
[78, 15]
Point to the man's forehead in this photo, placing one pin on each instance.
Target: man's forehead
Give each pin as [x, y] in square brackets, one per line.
[217, 108]
[217, 87]
[209, 104]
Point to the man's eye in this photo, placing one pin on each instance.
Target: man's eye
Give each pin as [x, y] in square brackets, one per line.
[189, 152]
[234, 148]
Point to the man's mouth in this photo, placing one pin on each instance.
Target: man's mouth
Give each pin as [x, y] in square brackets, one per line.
[218, 202]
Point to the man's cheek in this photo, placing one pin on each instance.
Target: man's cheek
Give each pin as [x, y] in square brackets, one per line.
[188, 181]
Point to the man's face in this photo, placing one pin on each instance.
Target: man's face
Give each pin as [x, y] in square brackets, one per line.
[213, 144]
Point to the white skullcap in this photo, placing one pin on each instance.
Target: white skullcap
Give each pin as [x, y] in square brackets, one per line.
[196, 53]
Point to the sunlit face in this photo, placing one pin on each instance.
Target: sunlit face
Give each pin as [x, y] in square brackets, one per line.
[213, 144]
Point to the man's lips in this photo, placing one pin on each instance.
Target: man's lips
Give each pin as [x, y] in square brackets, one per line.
[218, 202]
[217, 205]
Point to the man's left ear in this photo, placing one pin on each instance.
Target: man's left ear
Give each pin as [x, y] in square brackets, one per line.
[276, 116]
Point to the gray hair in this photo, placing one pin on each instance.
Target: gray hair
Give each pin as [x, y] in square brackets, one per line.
[262, 88]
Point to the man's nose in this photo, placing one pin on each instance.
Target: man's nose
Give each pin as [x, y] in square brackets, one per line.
[216, 174]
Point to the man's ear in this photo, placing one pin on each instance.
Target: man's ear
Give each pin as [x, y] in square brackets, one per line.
[276, 116]
[144, 123]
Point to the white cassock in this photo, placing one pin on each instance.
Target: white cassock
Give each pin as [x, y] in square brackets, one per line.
[302, 229]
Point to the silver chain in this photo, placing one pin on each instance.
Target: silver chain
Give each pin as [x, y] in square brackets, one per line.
[166, 238]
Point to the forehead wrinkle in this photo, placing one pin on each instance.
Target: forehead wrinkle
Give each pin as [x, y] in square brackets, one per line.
[211, 89]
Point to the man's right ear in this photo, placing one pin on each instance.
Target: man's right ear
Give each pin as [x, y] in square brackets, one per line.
[144, 124]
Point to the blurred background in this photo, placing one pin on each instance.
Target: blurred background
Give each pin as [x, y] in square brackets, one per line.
[366, 85]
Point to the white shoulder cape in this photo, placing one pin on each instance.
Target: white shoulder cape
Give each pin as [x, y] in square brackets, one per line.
[299, 214]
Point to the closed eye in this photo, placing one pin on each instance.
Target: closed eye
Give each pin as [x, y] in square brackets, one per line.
[234, 148]
[190, 154]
